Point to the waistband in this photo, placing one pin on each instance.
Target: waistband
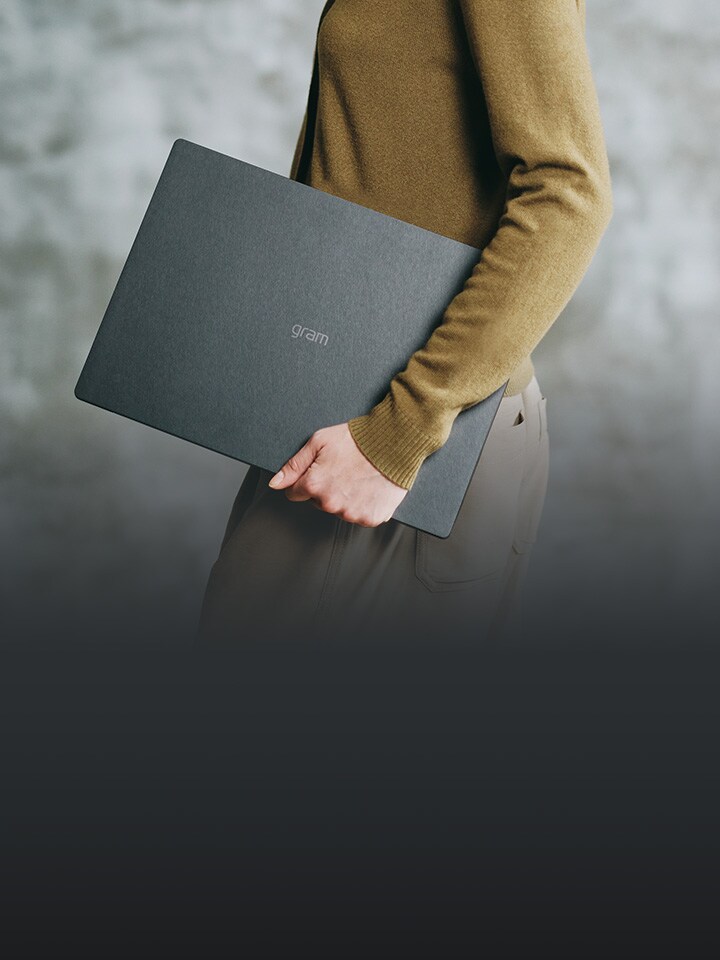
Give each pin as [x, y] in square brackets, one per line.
[529, 394]
[520, 377]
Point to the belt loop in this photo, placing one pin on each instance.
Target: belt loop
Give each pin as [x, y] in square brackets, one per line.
[539, 406]
[531, 402]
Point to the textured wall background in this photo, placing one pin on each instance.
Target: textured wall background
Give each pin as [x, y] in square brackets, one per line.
[93, 92]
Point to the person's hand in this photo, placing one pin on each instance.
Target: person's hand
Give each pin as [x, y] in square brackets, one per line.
[332, 471]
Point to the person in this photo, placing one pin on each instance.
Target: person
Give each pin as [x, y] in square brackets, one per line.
[478, 120]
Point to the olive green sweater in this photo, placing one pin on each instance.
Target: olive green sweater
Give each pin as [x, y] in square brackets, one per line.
[479, 120]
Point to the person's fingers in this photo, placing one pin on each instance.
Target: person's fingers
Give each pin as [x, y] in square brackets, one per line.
[297, 494]
[294, 468]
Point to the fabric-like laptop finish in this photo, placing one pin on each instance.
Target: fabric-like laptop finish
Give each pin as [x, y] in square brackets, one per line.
[253, 309]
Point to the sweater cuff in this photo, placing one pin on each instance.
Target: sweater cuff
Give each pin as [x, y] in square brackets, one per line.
[392, 443]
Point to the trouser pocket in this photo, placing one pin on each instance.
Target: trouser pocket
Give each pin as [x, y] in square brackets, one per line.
[482, 536]
[534, 485]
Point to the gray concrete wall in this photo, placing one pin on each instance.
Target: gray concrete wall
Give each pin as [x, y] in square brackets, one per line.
[93, 92]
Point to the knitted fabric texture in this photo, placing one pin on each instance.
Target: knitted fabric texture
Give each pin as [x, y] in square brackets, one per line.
[479, 120]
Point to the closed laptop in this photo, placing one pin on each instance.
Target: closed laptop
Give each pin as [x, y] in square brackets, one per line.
[253, 309]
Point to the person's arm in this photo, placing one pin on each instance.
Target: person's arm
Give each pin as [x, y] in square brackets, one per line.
[292, 175]
[546, 128]
[307, 127]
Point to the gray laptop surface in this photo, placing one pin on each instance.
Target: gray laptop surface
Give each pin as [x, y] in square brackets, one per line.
[254, 309]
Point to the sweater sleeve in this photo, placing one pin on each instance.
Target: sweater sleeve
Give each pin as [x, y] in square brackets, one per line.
[548, 140]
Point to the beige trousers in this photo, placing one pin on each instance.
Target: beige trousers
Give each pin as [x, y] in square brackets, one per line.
[288, 570]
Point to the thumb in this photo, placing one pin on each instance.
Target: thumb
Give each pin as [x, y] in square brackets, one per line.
[294, 468]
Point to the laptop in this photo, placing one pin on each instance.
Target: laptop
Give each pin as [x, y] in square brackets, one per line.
[254, 309]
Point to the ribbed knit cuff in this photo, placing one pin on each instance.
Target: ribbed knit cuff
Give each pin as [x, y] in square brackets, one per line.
[391, 442]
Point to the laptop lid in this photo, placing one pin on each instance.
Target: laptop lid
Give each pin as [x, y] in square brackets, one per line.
[254, 309]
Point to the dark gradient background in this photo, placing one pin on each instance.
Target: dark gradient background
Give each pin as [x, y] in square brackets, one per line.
[285, 796]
